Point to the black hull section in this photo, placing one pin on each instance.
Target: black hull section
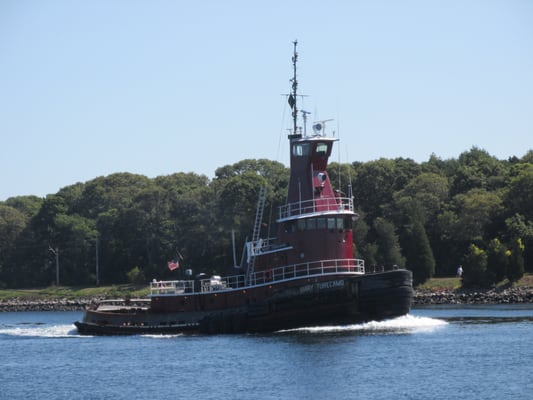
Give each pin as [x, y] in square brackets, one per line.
[386, 295]
[360, 299]
[118, 330]
[332, 300]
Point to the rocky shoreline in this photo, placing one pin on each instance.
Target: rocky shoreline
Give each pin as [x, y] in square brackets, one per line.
[21, 304]
[516, 295]
[421, 298]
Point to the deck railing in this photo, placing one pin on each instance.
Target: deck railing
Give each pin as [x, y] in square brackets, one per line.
[319, 204]
[285, 273]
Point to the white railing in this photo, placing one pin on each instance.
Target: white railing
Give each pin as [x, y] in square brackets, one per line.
[264, 246]
[319, 204]
[171, 287]
[288, 272]
[317, 268]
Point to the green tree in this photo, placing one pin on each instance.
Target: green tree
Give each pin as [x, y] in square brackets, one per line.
[374, 185]
[389, 251]
[516, 262]
[360, 232]
[519, 198]
[428, 190]
[28, 205]
[191, 217]
[341, 176]
[115, 191]
[238, 199]
[475, 267]
[146, 231]
[447, 244]
[476, 209]
[497, 262]
[477, 169]
[435, 165]
[528, 157]
[418, 253]
[12, 224]
[75, 237]
[136, 275]
[518, 227]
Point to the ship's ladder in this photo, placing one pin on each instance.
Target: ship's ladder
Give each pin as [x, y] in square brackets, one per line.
[256, 242]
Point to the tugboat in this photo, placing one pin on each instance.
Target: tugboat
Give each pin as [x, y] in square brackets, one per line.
[306, 276]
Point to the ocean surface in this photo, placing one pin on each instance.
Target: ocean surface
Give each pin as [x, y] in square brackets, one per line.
[479, 352]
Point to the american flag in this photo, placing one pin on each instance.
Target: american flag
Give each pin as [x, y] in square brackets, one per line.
[174, 264]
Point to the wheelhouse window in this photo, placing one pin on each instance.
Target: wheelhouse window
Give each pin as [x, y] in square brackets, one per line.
[301, 149]
[309, 224]
[321, 149]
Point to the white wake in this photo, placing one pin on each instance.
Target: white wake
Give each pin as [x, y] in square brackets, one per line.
[40, 330]
[407, 323]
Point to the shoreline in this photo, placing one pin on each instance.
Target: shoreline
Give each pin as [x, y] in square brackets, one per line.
[21, 304]
[514, 295]
[422, 297]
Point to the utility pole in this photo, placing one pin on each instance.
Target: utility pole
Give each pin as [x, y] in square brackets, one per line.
[56, 252]
[97, 264]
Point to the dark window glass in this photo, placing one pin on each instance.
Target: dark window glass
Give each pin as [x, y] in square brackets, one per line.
[321, 148]
[301, 149]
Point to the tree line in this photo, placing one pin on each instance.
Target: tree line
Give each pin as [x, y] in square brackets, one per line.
[430, 217]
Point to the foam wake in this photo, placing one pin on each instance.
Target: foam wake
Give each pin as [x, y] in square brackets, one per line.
[39, 330]
[404, 324]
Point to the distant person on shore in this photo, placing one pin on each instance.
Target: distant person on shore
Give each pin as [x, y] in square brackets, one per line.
[459, 271]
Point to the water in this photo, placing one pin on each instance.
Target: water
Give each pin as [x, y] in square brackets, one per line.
[447, 352]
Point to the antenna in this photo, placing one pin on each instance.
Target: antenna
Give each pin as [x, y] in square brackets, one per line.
[304, 117]
[293, 95]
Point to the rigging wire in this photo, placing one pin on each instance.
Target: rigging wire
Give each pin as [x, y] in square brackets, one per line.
[283, 121]
[270, 219]
[339, 153]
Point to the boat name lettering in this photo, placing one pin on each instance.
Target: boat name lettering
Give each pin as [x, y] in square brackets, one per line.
[322, 286]
[330, 284]
[306, 289]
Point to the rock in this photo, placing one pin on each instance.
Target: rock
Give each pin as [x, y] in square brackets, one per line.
[17, 304]
[462, 296]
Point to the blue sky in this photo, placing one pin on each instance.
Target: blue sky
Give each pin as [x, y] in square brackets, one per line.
[89, 88]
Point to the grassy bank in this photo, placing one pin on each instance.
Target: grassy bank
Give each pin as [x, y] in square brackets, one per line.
[454, 283]
[72, 292]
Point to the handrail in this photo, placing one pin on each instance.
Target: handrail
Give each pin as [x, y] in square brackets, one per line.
[171, 287]
[321, 204]
[285, 273]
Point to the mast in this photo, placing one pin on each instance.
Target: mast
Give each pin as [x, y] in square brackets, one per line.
[292, 96]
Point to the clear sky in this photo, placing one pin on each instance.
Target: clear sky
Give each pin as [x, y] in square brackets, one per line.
[89, 88]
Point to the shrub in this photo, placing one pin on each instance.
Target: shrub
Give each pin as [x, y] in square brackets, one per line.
[475, 267]
[136, 275]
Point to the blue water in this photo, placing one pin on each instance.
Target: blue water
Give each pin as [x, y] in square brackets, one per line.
[433, 353]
